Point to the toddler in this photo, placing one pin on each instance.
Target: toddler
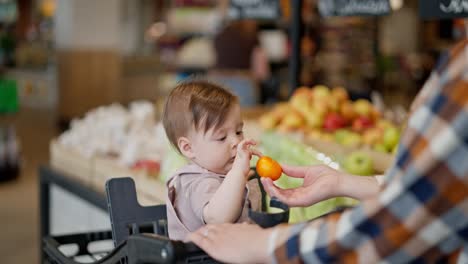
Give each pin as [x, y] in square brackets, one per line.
[203, 122]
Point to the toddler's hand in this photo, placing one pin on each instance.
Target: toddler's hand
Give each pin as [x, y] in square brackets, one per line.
[244, 154]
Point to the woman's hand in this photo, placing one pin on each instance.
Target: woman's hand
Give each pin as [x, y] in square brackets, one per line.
[244, 154]
[320, 183]
[233, 243]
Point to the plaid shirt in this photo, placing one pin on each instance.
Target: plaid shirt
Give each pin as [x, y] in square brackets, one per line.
[421, 213]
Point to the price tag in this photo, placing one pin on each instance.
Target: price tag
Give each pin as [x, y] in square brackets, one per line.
[354, 7]
[437, 9]
[254, 9]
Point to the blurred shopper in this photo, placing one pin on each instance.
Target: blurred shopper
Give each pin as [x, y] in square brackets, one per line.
[420, 214]
[241, 63]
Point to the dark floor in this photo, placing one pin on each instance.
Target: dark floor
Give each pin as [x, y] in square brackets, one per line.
[19, 214]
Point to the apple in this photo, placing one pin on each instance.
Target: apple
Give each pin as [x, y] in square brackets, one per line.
[363, 107]
[372, 136]
[320, 106]
[303, 90]
[333, 104]
[380, 147]
[269, 121]
[352, 140]
[341, 135]
[333, 121]
[375, 114]
[300, 103]
[347, 111]
[320, 92]
[340, 94]
[281, 110]
[362, 123]
[359, 163]
[293, 120]
[301, 99]
[151, 167]
[346, 137]
[391, 137]
[314, 118]
[284, 128]
[384, 124]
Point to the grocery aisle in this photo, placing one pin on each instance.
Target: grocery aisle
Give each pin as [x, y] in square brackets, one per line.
[19, 213]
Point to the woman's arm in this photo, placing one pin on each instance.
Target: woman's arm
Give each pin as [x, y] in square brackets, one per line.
[416, 217]
[321, 182]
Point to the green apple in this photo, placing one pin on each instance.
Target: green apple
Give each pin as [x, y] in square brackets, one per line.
[341, 135]
[380, 147]
[352, 139]
[359, 163]
[391, 137]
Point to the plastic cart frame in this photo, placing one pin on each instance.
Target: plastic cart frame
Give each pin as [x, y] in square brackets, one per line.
[49, 177]
[130, 247]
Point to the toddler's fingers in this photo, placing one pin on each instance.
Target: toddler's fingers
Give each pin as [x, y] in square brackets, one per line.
[246, 144]
[250, 142]
[256, 152]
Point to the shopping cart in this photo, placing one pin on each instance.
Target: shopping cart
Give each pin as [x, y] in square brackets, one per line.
[139, 233]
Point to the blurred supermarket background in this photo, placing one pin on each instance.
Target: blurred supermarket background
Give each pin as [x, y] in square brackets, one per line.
[82, 83]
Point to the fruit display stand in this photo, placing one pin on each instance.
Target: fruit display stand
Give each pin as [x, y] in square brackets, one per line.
[71, 162]
[95, 171]
[330, 122]
[150, 189]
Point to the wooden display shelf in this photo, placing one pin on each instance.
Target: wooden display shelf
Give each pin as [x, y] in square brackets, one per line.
[71, 162]
[95, 171]
[150, 190]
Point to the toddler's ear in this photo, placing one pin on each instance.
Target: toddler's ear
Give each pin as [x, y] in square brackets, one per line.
[185, 147]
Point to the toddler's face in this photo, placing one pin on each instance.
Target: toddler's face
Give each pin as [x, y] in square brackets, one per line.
[216, 149]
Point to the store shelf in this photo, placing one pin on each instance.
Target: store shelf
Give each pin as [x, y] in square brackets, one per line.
[93, 172]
